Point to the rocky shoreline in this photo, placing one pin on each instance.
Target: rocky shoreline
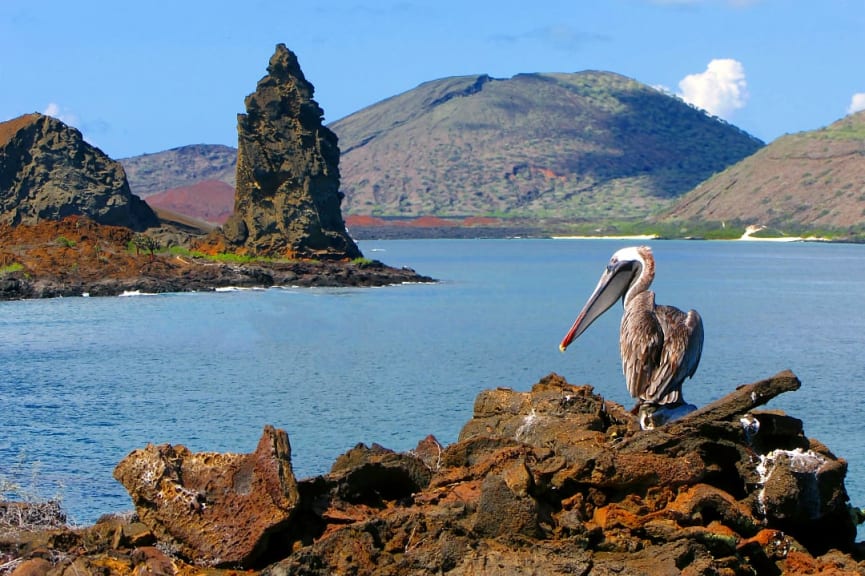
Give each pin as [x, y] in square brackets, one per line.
[195, 275]
[553, 481]
[76, 256]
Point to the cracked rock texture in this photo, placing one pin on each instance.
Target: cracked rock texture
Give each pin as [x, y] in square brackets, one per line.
[48, 172]
[287, 202]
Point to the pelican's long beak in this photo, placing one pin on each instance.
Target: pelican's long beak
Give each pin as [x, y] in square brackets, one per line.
[613, 284]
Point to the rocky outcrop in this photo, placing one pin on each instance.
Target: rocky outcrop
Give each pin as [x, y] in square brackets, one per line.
[214, 508]
[559, 481]
[74, 256]
[287, 202]
[551, 481]
[48, 172]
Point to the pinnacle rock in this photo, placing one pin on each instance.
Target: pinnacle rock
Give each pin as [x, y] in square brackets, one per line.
[287, 202]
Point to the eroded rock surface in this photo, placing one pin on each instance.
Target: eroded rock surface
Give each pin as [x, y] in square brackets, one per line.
[76, 256]
[551, 481]
[217, 509]
[48, 172]
[287, 202]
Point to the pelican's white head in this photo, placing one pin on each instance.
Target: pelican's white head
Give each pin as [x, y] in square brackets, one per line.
[624, 266]
[641, 254]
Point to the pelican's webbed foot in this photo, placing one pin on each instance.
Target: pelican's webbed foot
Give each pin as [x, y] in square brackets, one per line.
[651, 415]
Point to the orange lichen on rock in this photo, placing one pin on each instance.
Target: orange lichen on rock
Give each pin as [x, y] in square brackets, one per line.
[75, 256]
[512, 496]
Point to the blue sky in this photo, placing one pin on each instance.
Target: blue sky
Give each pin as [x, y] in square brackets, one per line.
[140, 76]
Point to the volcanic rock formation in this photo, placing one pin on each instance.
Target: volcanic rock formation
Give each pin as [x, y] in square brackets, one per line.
[552, 481]
[287, 202]
[74, 256]
[218, 508]
[48, 172]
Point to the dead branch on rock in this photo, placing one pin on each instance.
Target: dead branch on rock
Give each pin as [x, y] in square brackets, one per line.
[736, 404]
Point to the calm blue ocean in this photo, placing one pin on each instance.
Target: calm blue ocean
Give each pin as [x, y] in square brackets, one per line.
[83, 381]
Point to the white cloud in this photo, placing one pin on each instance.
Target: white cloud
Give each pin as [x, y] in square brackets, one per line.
[857, 103]
[65, 116]
[720, 90]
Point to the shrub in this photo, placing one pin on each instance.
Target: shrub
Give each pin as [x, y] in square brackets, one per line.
[31, 515]
[233, 258]
[362, 262]
[14, 267]
[22, 508]
[146, 243]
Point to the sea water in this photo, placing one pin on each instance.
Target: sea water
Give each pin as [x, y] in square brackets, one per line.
[84, 381]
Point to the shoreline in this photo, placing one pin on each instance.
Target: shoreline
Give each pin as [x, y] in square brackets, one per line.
[633, 237]
[744, 238]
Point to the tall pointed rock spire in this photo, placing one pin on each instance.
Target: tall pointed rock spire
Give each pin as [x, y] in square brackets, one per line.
[287, 202]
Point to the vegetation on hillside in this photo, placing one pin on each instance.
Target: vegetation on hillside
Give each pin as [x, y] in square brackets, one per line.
[588, 145]
[582, 153]
[810, 182]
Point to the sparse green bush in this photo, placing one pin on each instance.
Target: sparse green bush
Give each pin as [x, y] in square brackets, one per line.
[362, 262]
[14, 267]
[146, 243]
[232, 258]
[228, 257]
[64, 241]
[176, 250]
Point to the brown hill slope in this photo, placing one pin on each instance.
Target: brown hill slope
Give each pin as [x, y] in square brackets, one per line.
[182, 166]
[586, 145]
[208, 200]
[812, 179]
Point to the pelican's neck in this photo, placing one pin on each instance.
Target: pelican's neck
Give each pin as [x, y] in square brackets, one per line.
[644, 276]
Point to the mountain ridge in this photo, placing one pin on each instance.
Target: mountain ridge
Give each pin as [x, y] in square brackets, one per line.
[181, 166]
[590, 145]
[578, 144]
[808, 180]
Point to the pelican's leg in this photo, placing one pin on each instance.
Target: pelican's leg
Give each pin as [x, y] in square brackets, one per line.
[646, 415]
[653, 415]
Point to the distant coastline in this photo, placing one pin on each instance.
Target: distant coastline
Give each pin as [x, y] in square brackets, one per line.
[631, 237]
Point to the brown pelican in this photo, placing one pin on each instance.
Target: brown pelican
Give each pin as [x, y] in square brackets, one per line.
[660, 345]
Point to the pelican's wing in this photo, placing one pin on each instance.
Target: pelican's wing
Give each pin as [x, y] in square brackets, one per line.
[683, 346]
[641, 341]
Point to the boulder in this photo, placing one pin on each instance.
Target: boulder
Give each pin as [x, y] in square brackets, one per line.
[287, 202]
[213, 509]
[48, 172]
[802, 492]
[376, 474]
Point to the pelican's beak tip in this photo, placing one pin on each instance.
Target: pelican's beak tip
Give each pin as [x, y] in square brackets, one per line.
[562, 347]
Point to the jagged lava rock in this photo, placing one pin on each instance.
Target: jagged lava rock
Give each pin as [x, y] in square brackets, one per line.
[559, 481]
[214, 509]
[48, 172]
[552, 481]
[287, 202]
